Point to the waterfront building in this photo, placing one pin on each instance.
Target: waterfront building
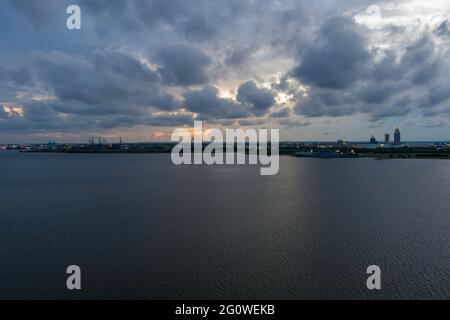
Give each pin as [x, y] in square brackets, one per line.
[387, 138]
[373, 140]
[397, 139]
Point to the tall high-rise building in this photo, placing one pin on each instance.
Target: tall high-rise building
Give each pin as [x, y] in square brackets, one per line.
[397, 139]
[387, 138]
[373, 140]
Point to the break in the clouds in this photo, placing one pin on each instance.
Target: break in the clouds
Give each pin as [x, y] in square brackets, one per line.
[307, 67]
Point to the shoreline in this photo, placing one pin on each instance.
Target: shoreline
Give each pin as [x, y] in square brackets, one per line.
[372, 155]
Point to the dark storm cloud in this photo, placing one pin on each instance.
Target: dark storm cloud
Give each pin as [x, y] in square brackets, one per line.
[436, 102]
[259, 100]
[377, 94]
[326, 102]
[398, 106]
[136, 61]
[115, 87]
[419, 59]
[388, 69]
[195, 20]
[371, 100]
[124, 65]
[43, 116]
[437, 95]
[15, 75]
[39, 116]
[418, 65]
[183, 65]
[282, 113]
[112, 90]
[337, 59]
[105, 87]
[200, 29]
[208, 104]
[237, 56]
[250, 101]
[345, 78]
[284, 85]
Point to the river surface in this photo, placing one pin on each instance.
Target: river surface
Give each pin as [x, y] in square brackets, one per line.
[140, 227]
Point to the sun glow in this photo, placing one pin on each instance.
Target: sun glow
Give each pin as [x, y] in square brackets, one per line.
[283, 97]
[226, 94]
[12, 110]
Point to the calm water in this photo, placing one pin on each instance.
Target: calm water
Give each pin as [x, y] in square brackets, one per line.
[140, 227]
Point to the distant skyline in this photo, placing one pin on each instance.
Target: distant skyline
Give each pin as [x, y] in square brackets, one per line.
[318, 70]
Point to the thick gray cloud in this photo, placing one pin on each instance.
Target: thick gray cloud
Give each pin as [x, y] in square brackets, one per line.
[195, 20]
[209, 105]
[338, 57]
[377, 94]
[112, 90]
[83, 87]
[237, 56]
[282, 113]
[136, 62]
[250, 101]
[418, 63]
[437, 95]
[259, 100]
[326, 102]
[346, 78]
[124, 65]
[44, 116]
[183, 65]
[41, 117]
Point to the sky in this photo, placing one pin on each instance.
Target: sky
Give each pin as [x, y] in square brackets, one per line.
[138, 69]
